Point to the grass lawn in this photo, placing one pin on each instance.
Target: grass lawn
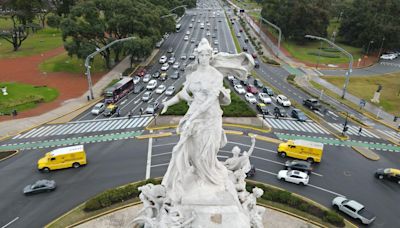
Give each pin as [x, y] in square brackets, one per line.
[235, 39]
[309, 52]
[64, 63]
[23, 96]
[41, 41]
[237, 108]
[365, 86]
[247, 4]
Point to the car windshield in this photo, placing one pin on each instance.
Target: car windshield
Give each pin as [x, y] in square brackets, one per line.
[386, 171]
[284, 98]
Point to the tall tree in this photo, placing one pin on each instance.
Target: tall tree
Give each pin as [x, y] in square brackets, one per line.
[298, 18]
[372, 20]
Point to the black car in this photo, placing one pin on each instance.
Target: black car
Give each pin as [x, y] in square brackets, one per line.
[156, 74]
[40, 186]
[246, 40]
[251, 172]
[312, 104]
[279, 112]
[390, 174]
[244, 49]
[258, 83]
[299, 165]
[138, 88]
[299, 115]
[244, 82]
[268, 91]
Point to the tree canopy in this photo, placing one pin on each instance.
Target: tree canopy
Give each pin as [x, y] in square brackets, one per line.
[371, 20]
[95, 23]
[298, 18]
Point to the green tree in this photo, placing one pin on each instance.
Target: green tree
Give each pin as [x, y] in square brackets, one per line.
[371, 20]
[298, 18]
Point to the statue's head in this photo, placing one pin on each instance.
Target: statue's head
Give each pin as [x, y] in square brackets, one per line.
[258, 192]
[236, 151]
[204, 52]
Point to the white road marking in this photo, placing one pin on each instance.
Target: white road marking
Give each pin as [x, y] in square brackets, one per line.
[137, 101]
[319, 113]
[332, 113]
[164, 164]
[149, 151]
[9, 223]
[167, 144]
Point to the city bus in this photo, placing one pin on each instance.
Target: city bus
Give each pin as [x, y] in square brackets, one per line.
[117, 91]
[178, 27]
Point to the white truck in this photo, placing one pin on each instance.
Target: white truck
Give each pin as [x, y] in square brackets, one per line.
[353, 209]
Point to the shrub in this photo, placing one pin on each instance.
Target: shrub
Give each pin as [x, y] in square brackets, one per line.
[333, 218]
[323, 54]
[291, 77]
[128, 71]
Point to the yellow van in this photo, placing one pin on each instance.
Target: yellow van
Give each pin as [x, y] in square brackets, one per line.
[301, 149]
[73, 156]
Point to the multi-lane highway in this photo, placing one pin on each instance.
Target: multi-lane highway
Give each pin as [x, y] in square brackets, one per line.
[115, 158]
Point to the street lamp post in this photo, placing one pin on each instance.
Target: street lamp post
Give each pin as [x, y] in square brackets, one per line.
[91, 56]
[380, 49]
[369, 44]
[279, 31]
[350, 69]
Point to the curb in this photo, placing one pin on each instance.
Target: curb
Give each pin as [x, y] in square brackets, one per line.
[264, 138]
[380, 121]
[159, 135]
[161, 127]
[232, 132]
[9, 156]
[351, 118]
[372, 156]
[246, 127]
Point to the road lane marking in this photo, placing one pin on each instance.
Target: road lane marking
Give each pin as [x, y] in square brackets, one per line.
[9, 223]
[149, 151]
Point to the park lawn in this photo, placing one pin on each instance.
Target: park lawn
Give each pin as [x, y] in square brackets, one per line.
[36, 43]
[302, 52]
[365, 86]
[247, 4]
[237, 108]
[24, 96]
[65, 63]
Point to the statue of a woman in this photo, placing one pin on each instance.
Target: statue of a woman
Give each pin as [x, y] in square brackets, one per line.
[194, 158]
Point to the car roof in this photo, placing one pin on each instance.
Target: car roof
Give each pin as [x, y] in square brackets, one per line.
[111, 106]
[395, 171]
[356, 205]
[261, 104]
[301, 174]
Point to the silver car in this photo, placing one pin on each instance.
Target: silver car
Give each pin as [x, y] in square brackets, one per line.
[98, 108]
[353, 209]
[40, 186]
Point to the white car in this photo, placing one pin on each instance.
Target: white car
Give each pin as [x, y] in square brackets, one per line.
[230, 77]
[250, 98]
[353, 209]
[165, 67]
[160, 89]
[152, 84]
[191, 25]
[136, 80]
[186, 38]
[183, 57]
[264, 98]
[294, 176]
[239, 89]
[163, 59]
[170, 91]
[208, 34]
[171, 60]
[282, 100]
[146, 78]
[176, 65]
[215, 42]
[187, 32]
[388, 56]
[98, 108]
[215, 51]
[146, 96]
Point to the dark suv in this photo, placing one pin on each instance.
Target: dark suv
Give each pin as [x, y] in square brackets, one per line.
[299, 165]
[258, 83]
[390, 174]
[312, 104]
[279, 112]
[268, 91]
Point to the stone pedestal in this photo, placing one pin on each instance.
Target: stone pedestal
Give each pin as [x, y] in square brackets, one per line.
[375, 99]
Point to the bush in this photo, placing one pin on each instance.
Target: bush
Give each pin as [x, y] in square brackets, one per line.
[323, 54]
[291, 77]
[333, 218]
[112, 196]
[128, 71]
[269, 61]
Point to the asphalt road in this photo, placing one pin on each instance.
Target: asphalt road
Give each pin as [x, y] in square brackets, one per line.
[121, 161]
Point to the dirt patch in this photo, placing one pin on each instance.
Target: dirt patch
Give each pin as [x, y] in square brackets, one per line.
[25, 70]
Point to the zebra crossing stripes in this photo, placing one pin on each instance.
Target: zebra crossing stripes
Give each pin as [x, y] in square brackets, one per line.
[86, 126]
[353, 130]
[391, 134]
[292, 125]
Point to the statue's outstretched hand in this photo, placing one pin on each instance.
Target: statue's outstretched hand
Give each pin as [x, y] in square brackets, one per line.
[165, 108]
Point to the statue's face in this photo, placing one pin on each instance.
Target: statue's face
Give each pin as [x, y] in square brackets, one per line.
[236, 151]
[204, 58]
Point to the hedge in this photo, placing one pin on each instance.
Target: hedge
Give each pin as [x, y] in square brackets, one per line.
[323, 54]
[287, 198]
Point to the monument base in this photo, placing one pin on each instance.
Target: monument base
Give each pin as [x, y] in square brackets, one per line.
[375, 99]
[216, 216]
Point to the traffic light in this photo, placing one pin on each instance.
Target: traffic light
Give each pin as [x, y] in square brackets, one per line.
[241, 11]
[345, 128]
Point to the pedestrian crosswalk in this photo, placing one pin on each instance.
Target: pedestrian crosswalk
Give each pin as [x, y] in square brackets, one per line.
[80, 127]
[354, 130]
[391, 134]
[311, 127]
[293, 125]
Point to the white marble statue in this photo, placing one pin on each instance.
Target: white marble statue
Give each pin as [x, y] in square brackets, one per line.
[255, 212]
[194, 158]
[238, 161]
